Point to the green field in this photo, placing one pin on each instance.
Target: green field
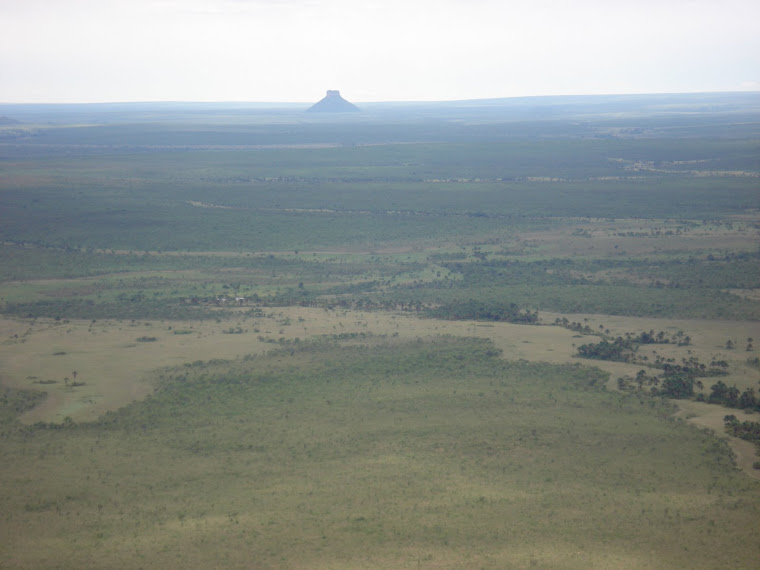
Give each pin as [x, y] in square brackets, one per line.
[254, 339]
[434, 453]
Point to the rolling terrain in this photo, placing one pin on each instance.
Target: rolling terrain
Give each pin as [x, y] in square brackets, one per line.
[490, 334]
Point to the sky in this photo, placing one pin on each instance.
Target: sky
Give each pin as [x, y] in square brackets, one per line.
[70, 51]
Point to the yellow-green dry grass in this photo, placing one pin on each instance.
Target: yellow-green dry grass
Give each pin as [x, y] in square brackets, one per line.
[114, 367]
[432, 454]
[112, 364]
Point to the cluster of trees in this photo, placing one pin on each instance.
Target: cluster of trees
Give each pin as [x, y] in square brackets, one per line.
[679, 381]
[577, 327]
[623, 348]
[729, 396]
[483, 311]
[749, 431]
[730, 344]
[619, 350]
[683, 382]
[662, 338]
[346, 303]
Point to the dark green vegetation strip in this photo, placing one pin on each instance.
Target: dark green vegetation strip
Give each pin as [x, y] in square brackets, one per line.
[74, 199]
[374, 456]
[473, 310]
[694, 286]
[140, 285]
[296, 198]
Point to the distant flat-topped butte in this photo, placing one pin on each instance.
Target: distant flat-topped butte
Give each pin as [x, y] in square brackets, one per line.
[332, 103]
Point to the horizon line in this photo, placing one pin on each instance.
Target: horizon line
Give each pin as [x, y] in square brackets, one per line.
[378, 102]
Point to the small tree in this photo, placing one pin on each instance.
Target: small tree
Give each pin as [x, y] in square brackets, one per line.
[747, 400]
[719, 392]
[732, 397]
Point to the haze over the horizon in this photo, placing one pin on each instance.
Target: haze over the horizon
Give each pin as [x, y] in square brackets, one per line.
[389, 50]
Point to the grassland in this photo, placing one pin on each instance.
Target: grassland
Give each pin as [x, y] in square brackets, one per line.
[217, 350]
[434, 453]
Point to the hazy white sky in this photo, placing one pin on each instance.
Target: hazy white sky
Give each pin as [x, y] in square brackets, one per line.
[402, 50]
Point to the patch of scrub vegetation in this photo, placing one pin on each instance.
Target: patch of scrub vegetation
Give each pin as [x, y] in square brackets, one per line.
[129, 309]
[749, 431]
[679, 380]
[479, 311]
[712, 271]
[571, 285]
[625, 348]
[371, 454]
[14, 402]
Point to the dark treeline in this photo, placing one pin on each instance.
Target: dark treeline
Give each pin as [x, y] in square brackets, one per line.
[623, 348]
[749, 431]
[675, 380]
[483, 311]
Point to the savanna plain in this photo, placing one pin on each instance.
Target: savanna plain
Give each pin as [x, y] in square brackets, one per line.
[500, 334]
